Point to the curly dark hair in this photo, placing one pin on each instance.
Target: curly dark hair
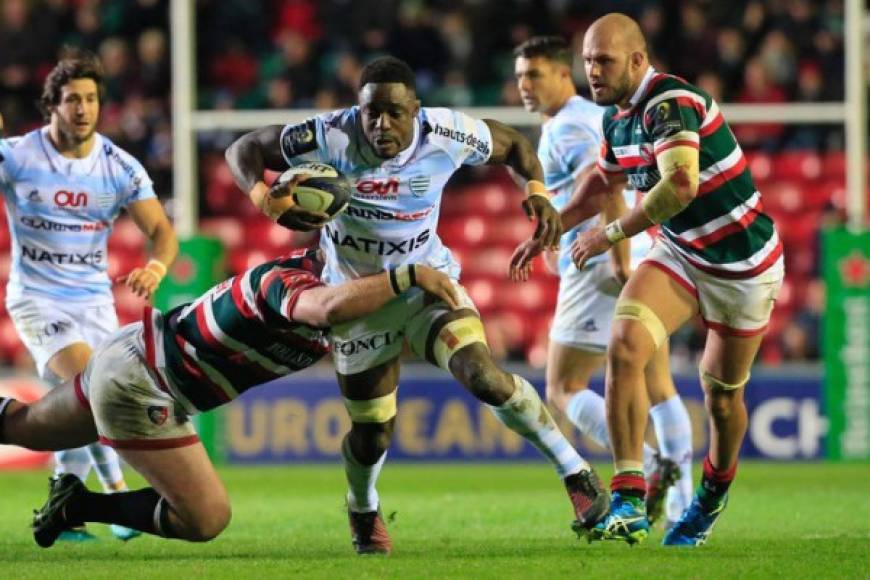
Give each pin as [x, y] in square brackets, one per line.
[388, 69]
[74, 63]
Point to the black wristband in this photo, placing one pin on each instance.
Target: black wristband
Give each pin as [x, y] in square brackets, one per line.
[394, 282]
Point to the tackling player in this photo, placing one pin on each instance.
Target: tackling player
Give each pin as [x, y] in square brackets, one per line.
[399, 156]
[142, 384]
[570, 140]
[64, 186]
[718, 255]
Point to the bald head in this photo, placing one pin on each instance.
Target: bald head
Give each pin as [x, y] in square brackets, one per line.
[615, 57]
[618, 30]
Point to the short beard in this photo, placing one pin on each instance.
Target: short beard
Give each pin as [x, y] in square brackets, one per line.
[79, 140]
[621, 94]
[73, 139]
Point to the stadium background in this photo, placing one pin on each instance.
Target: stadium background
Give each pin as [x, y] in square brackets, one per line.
[289, 55]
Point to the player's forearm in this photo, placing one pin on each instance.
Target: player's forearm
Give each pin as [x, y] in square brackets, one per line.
[524, 161]
[614, 208]
[511, 148]
[675, 190]
[324, 306]
[164, 244]
[356, 298]
[247, 163]
[588, 199]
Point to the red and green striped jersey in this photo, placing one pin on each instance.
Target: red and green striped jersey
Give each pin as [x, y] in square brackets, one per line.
[238, 335]
[723, 231]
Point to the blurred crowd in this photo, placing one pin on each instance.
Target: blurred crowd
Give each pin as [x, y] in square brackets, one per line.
[255, 54]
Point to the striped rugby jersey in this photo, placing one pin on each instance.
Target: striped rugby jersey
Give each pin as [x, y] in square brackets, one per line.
[569, 143]
[238, 335]
[60, 213]
[723, 231]
[393, 215]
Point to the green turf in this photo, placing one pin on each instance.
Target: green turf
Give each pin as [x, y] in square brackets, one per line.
[788, 521]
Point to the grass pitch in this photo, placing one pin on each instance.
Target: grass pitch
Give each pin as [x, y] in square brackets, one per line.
[476, 521]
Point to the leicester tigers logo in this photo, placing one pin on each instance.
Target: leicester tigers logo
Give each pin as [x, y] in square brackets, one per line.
[158, 415]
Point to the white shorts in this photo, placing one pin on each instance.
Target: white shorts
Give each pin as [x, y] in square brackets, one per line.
[130, 410]
[47, 326]
[735, 307]
[379, 337]
[584, 311]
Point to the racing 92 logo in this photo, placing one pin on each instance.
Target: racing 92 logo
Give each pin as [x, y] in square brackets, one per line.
[65, 198]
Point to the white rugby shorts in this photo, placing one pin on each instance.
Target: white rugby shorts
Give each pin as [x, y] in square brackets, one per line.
[585, 308]
[734, 307]
[130, 409]
[48, 326]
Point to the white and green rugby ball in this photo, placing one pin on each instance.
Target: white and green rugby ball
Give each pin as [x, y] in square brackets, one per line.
[325, 190]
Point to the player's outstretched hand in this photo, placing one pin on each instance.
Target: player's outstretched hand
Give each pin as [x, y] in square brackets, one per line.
[589, 244]
[278, 205]
[549, 228]
[438, 284]
[521, 260]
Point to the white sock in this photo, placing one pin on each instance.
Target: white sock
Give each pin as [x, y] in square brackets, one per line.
[361, 479]
[108, 467]
[674, 433]
[525, 414]
[75, 461]
[587, 412]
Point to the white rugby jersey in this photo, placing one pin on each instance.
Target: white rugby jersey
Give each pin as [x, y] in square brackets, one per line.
[60, 213]
[569, 144]
[393, 216]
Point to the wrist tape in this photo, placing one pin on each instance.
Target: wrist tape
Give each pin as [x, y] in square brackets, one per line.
[403, 277]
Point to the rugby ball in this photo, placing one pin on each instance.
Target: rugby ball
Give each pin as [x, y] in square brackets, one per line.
[325, 189]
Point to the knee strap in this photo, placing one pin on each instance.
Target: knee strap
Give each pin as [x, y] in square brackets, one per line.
[454, 336]
[628, 309]
[720, 384]
[379, 410]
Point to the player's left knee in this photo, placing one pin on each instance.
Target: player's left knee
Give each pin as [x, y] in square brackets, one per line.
[637, 333]
[369, 441]
[454, 337]
[723, 399]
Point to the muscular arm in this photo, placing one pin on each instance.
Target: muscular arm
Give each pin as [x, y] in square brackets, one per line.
[620, 253]
[511, 148]
[590, 196]
[151, 220]
[324, 306]
[250, 155]
[149, 216]
[678, 186]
